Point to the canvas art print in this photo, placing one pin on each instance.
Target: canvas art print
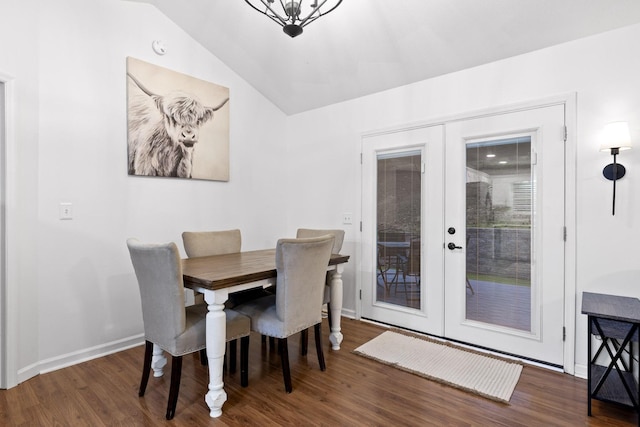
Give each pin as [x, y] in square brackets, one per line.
[178, 126]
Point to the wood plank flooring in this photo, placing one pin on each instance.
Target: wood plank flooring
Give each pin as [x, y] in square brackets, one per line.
[354, 391]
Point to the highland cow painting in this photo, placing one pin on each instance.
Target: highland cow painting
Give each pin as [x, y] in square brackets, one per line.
[178, 126]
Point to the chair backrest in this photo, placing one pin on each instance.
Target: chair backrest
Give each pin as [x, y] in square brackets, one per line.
[391, 236]
[301, 270]
[338, 235]
[206, 243]
[159, 272]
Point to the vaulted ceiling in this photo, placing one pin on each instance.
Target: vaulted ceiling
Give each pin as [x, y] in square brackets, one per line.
[367, 46]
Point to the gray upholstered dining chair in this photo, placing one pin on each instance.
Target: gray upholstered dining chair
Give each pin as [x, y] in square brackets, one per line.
[206, 243]
[326, 299]
[176, 329]
[301, 266]
[220, 242]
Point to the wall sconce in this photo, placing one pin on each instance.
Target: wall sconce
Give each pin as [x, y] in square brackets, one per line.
[615, 138]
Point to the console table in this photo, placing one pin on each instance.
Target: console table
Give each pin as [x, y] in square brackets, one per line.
[616, 320]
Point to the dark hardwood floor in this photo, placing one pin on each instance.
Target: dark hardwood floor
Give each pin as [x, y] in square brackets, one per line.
[354, 391]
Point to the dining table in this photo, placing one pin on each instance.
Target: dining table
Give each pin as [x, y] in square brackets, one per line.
[218, 276]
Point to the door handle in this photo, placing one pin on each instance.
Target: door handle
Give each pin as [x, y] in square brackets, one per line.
[453, 246]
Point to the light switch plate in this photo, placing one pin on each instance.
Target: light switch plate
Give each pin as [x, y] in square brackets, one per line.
[66, 210]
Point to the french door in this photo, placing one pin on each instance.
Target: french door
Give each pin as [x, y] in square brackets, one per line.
[478, 204]
[504, 266]
[402, 229]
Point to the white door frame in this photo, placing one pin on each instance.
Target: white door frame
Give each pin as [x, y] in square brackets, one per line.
[570, 102]
[8, 281]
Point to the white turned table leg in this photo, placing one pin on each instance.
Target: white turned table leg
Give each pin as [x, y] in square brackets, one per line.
[158, 360]
[216, 339]
[335, 337]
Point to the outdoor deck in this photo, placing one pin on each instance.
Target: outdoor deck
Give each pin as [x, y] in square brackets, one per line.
[488, 302]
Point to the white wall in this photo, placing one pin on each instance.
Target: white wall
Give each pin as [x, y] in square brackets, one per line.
[603, 70]
[72, 281]
[78, 295]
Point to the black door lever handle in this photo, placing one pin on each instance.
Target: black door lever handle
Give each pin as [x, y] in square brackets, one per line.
[453, 246]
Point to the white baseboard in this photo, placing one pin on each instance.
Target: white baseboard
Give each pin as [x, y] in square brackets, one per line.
[80, 356]
[580, 371]
[26, 373]
[351, 314]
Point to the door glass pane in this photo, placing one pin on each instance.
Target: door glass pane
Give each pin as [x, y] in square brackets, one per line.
[399, 196]
[500, 195]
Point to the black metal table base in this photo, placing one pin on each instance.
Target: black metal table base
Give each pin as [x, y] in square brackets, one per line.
[616, 321]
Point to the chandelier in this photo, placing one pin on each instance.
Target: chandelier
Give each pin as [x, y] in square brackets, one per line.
[292, 16]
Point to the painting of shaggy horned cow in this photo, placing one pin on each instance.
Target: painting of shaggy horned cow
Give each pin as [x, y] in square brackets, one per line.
[163, 130]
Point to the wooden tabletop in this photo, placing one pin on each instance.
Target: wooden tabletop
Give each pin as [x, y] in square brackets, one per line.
[223, 271]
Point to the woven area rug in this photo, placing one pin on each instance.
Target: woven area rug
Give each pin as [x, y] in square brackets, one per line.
[489, 376]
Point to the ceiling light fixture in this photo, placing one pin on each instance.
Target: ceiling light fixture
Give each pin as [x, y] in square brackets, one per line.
[292, 16]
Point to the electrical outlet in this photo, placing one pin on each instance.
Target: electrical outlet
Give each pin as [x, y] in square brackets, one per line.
[347, 218]
[66, 210]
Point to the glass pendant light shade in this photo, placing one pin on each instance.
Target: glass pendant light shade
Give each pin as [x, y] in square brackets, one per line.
[616, 135]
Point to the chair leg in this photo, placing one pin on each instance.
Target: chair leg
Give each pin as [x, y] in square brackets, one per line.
[318, 334]
[284, 357]
[244, 361]
[176, 373]
[304, 335]
[304, 341]
[470, 287]
[225, 365]
[204, 361]
[233, 355]
[146, 367]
